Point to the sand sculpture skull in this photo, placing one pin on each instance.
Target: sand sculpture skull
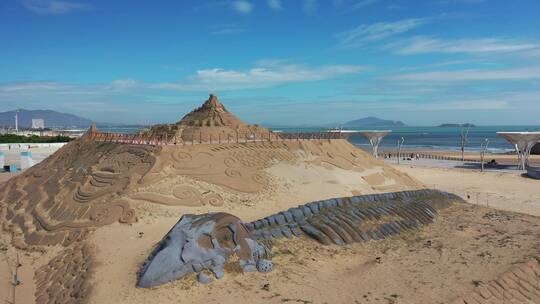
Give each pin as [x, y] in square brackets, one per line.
[202, 242]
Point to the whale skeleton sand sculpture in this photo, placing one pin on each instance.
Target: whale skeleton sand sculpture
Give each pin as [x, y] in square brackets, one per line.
[523, 143]
[203, 243]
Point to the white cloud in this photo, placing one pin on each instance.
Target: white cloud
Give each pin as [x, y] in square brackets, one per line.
[275, 4]
[472, 75]
[467, 104]
[242, 6]
[377, 31]
[420, 45]
[226, 29]
[54, 7]
[534, 53]
[258, 77]
[30, 86]
[362, 4]
[123, 84]
[265, 74]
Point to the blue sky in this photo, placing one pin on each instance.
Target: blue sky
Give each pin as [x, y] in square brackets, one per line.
[280, 62]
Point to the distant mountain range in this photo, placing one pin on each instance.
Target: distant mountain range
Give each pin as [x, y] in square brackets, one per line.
[52, 119]
[373, 122]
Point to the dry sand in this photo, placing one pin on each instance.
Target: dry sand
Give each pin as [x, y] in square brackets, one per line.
[51, 211]
[77, 226]
[504, 191]
[467, 245]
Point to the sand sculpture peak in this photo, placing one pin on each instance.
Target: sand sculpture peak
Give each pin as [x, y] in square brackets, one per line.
[209, 121]
[212, 113]
[93, 128]
[213, 104]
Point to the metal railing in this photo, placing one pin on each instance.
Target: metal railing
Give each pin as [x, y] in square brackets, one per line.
[202, 138]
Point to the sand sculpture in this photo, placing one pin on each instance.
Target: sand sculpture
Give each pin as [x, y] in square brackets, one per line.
[202, 242]
[88, 183]
[210, 122]
[205, 242]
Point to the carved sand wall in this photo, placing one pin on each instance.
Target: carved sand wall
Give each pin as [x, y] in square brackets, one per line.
[79, 187]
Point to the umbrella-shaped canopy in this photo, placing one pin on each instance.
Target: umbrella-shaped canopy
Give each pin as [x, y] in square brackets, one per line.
[523, 143]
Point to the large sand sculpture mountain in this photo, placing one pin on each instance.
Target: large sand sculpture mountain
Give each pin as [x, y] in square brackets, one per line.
[87, 184]
[210, 122]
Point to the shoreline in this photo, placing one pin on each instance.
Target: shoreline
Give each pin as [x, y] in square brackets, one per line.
[452, 155]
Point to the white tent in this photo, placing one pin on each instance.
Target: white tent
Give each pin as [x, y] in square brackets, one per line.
[523, 143]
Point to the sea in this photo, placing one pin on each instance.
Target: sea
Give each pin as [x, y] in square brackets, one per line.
[436, 138]
[428, 138]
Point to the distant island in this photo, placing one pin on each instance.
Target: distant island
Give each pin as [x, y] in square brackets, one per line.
[465, 125]
[372, 122]
[52, 119]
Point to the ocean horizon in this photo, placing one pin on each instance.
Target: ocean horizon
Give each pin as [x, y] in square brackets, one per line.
[415, 137]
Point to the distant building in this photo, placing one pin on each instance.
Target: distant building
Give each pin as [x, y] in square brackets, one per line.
[38, 123]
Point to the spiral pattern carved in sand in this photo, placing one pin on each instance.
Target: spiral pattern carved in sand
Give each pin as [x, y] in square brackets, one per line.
[180, 156]
[230, 162]
[186, 193]
[260, 179]
[232, 173]
[213, 199]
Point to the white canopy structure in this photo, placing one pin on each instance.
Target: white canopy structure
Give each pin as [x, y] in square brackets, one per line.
[374, 137]
[523, 143]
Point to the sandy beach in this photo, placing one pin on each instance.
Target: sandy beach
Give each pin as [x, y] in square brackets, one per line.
[78, 226]
[281, 152]
[504, 191]
[469, 243]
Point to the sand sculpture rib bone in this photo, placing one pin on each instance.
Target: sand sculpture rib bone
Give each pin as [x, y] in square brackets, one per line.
[355, 219]
[204, 242]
